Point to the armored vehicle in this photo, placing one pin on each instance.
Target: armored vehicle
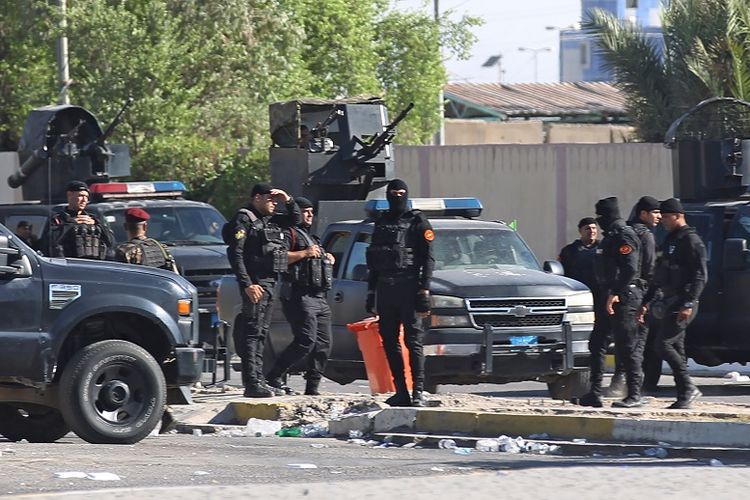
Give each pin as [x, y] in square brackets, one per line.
[64, 143]
[91, 346]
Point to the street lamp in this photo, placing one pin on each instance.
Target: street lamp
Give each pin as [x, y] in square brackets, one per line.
[496, 61]
[535, 55]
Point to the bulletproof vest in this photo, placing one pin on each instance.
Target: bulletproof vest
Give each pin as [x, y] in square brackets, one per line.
[605, 259]
[313, 274]
[391, 248]
[669, 274]
[264, 245]
[146, 252]
[88, 241]
[640, 231]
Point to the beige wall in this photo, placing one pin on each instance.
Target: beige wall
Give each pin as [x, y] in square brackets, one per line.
[459, 132]
[584, 133]
[546, 187]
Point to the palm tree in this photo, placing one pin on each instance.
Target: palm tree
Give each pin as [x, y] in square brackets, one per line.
[706, 53]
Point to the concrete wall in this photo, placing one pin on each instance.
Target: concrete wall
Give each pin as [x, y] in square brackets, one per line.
[585, 133]
[458, 132]
[546, 187]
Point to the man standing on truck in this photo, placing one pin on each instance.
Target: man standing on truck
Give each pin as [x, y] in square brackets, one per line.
[257, 253]
[400, 262]
[303, 300]
[617, 267]
[74, 232]
[680, 277]
[140, 249]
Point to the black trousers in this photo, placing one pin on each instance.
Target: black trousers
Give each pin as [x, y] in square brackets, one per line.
[396, 307]
[670, 343]
[250, 341]
[630, 339]
[310, 319]
[651, 355]
[599, 341]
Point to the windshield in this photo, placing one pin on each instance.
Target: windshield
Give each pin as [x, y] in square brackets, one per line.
[177, 225]
[472, 248]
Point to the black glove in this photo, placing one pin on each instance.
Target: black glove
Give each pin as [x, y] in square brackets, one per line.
[370, 303]
[422, 303]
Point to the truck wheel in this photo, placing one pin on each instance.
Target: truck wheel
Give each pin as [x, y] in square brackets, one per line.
[36, 424]
[572, 385]
[112, 392]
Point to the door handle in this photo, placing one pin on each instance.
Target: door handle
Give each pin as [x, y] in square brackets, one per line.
[338, 297]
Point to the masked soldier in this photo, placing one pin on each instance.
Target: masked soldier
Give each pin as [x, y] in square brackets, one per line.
[257, 254]
[303, 300]
[140, 249]
[75, 232]
[679, 279]
[400, 262]
[617, 267]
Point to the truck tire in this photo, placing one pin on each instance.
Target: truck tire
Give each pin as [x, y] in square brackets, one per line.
[112, 392]
[572, 385]
[35, 424]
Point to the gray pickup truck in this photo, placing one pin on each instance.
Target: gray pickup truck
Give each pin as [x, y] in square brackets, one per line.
[91, 346]
[497, 315]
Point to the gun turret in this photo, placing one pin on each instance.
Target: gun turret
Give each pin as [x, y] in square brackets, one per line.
[379, 142]
[70, 142]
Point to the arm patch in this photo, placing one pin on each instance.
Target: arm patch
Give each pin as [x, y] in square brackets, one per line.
[625, 249]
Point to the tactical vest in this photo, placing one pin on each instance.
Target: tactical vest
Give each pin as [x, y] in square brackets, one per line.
[88, 242]
[391, 249]
[605, 258]
[264, 245]
[147, 252]
[315, 274]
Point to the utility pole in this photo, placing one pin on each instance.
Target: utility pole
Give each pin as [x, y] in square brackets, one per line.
[535, 55]
[440, 135]
[63, 74]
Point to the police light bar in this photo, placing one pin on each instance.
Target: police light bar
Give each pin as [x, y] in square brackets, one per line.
[124, 190]
[461, 207]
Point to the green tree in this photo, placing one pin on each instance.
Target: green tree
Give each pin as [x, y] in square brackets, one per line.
[704, 54]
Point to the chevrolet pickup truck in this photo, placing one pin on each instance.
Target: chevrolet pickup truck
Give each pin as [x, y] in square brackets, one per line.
[497, 315]
[91, 346]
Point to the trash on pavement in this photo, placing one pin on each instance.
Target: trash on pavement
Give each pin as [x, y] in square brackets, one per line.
[95, 476]
[201, 473]
[315, 430]
[197, 432]
[487, 445]
[543, 435]
[446, 444]
[507, 444]
[461, 451]
[715, 462]
[437, 469]
[356, 434]
[302, 466]
[258, 427]
[289, 432]
[655, 452]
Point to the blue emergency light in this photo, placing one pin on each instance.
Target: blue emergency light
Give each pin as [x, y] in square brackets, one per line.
[460, 207]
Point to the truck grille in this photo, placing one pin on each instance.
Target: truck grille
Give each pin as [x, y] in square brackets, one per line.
[500, 303]
[202, 279]
[508, 321]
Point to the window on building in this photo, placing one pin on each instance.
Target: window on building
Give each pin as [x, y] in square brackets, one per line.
[631, 4]
[584, 48]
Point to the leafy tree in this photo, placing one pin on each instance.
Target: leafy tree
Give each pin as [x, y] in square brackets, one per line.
[704, 54]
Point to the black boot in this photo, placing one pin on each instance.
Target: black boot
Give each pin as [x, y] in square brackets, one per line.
[279, 385]
[617, 385]
[312, 387]
[685, 401]
[399, 399]
[257, 390]
[589, 399]
[629, 402]
[417, 398]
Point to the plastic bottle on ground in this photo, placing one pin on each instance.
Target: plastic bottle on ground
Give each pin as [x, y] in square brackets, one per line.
[446, 444]
[487, 445]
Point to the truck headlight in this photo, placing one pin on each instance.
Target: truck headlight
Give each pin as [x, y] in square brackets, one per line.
[582, 299]
[438, 320]
[446, 302]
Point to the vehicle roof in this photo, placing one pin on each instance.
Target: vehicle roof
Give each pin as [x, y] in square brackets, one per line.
[107, 205]
[438, 223]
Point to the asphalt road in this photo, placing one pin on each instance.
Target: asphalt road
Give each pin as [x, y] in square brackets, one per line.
[181, 460]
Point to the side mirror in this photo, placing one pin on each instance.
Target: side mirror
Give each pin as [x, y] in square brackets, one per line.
[360, 272]
[19, 267]
[736, 254]
[553, 267]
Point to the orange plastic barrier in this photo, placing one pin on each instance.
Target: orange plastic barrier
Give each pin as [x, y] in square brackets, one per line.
[378, 372]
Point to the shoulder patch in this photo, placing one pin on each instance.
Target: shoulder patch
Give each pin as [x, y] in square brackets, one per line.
[240, 234]
[429, 235]
[625, 249]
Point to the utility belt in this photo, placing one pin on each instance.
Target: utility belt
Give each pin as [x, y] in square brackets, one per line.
[395, 279]
[389, 258]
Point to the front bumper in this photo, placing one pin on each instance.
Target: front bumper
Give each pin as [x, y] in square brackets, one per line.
[185, 367]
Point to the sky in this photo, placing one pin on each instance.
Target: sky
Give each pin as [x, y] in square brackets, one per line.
[508, 25]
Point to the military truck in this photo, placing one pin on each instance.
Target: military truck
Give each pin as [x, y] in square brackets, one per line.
[94, 347]
[711, 168]
[64, 143]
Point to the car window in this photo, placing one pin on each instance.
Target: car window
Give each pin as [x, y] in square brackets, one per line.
[356, 266]
[337, 243]
[463, 248]
[37, 223]
[176, 225]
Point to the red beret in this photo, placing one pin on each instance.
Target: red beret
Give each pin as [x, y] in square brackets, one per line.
[136, 215]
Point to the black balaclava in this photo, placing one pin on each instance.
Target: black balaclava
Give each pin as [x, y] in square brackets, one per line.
[607, 212]
[303, 203]
[397, 205]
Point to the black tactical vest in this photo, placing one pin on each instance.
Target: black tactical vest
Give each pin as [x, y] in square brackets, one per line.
[264, 245]
[315, 275]
[392, 247]
[605, 258]
[88, 242]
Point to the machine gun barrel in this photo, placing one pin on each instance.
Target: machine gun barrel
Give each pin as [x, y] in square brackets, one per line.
[31, 164]
[380, 141]
[115, 121]
[319, 130]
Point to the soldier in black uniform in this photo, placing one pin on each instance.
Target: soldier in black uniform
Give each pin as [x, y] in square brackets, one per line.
[257, 253]
[400, 262]
[303, 300]
[644, 217]
[617, 266]
[76, 233]
[140, 249]
[679, 279]
[577, 258]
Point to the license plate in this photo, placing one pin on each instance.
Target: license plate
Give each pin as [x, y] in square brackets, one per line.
[525, 340]
[214, 319]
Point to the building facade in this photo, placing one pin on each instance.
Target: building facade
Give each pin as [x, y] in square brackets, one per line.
[580, 60]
